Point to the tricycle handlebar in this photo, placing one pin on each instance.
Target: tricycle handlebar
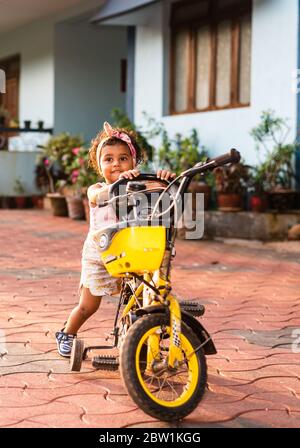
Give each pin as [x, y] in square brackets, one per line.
[233, 156]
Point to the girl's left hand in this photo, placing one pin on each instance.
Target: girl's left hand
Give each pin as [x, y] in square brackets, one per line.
[165, 174]
[130, 174]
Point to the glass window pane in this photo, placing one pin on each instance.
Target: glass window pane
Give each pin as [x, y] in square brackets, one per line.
[181, 71]
[245, 60]
[223, 64]
[203, 68]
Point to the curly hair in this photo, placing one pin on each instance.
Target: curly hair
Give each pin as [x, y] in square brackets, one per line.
[93, 162]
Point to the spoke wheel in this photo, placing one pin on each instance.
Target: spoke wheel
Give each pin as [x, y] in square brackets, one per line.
[164, 393]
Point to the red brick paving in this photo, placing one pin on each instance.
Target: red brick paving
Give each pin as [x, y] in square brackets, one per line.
[252, 299]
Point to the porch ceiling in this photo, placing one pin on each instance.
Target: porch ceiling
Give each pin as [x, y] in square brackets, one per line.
[114, 11]
[15, 13]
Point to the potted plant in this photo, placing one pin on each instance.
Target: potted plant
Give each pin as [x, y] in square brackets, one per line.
[56, 155]
[256, 189]
[276, 160]
[20, 199]
[231, 185]
[80, 177]
[37, 201]
[181, 153]
[47, 180]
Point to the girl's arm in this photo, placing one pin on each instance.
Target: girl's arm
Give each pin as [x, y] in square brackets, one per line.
[97, 193]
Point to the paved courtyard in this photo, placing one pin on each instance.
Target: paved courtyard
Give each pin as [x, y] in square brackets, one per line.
[251, 293]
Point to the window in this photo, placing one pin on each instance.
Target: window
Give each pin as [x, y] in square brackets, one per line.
[210, 55]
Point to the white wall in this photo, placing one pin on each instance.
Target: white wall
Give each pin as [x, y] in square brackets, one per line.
[17, 166]
[34, 43]
[87, 76]
[274, 58]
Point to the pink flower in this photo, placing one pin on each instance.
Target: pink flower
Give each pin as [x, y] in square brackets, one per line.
[75, 151]
[46, 162]
[74, 176]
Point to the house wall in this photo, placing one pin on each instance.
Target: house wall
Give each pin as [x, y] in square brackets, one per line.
[17, 166]
[274, 60]
[87, 75]
[34, 43]
[65, 70]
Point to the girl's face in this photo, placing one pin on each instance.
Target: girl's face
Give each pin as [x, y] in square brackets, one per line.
[114, 160]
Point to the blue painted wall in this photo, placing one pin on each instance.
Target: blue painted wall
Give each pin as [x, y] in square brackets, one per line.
[87, 76]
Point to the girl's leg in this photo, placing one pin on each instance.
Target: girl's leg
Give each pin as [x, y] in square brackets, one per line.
[88, 305]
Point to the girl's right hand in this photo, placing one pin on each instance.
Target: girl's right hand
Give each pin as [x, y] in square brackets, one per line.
[130, 174]
[97, 194]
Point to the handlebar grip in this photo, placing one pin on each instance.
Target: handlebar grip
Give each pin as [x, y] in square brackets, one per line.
[233, 156]
[143, 176]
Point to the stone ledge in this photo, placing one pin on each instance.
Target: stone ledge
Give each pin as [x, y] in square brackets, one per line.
[270, 226]
[254, 226]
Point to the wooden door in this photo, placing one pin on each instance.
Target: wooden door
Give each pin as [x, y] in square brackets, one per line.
[10, 99]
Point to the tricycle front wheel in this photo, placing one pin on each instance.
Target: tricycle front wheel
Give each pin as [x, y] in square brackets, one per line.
[164, 393]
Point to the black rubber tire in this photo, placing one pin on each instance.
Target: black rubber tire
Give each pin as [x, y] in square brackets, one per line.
[76, 355]
[131, 380]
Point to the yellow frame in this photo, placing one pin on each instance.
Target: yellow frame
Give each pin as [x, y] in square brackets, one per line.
[175, 352]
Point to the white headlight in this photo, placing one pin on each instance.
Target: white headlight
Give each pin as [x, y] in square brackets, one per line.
[103, 240]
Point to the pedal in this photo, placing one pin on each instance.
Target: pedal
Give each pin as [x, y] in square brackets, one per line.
[194, 308]
[105, 362]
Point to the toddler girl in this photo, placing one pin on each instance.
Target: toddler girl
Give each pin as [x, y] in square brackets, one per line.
[114, 154]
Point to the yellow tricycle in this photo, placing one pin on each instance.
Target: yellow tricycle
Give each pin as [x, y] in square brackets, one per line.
[162, 346]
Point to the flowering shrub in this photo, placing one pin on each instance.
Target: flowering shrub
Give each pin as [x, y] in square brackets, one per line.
[55, 158]
[78, 171]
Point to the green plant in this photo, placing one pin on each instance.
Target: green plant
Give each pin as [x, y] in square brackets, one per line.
[231, 179]
[276, 156]
[257, 180]
[80, 175]
[179, 153]
[54, 159]
[19, 188]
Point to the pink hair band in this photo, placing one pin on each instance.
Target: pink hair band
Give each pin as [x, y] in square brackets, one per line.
[121, 136]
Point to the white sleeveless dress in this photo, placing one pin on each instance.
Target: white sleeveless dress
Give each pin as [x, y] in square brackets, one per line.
[94, 276]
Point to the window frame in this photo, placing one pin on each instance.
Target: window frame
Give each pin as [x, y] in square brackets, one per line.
[212, 19]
